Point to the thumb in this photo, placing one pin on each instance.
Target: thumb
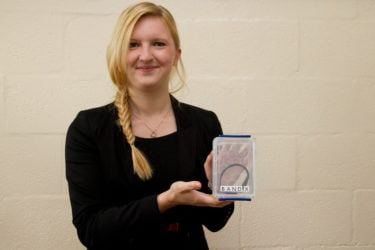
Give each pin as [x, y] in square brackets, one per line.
[193, 185]
[208, 161]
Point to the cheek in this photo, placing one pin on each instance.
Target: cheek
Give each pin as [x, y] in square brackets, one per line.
[130, 58]
[169, 58]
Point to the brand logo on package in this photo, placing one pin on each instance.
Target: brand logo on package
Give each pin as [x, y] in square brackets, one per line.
[236, 189]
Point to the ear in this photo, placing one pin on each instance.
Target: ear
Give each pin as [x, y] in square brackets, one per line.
[178, 56]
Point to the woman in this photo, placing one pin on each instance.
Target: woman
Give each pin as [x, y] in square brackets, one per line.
[138, 169]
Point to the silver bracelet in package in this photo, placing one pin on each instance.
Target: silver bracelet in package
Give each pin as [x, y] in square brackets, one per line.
[233, 167]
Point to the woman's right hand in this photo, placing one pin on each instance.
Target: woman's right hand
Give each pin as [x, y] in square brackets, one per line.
[186, 193]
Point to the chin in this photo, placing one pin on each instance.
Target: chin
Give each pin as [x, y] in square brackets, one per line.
[148, 86]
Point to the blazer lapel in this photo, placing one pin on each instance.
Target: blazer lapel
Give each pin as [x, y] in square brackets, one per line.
[186, 141]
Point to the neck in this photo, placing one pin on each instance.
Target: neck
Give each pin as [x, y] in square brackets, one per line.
[146, 104]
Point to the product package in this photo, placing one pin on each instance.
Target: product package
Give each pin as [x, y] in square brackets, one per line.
[233, 167]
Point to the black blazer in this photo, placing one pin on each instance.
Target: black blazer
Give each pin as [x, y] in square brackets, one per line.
[112, 208]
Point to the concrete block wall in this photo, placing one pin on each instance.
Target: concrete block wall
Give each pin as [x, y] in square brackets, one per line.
[297, 75]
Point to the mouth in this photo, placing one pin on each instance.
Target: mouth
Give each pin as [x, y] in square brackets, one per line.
[146, 68]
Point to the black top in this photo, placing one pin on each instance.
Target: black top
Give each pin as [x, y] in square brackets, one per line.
[111, 207]
[161, 153]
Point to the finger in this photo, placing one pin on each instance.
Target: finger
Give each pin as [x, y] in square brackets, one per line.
[224, 203]
[191, 185]
[208, 161]
[209, 157]
[210, 200]
[219, 203]
[205, 199]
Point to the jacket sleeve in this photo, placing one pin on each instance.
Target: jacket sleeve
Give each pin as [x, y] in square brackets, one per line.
[99, 222]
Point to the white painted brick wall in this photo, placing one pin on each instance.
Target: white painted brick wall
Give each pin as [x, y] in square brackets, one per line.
[297, 74]
[2, 108]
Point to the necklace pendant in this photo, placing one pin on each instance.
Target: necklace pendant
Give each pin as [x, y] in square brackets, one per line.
[153, 134]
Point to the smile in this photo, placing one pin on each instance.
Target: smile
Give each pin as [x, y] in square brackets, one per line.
[146, 68]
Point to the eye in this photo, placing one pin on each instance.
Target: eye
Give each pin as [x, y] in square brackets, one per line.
[133, 45]
[159, 44]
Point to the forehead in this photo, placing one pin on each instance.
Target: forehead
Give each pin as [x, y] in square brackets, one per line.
[151, 26]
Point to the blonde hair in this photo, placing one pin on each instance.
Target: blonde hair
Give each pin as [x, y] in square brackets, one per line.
[116, 54]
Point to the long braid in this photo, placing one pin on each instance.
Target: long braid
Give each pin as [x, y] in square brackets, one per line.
[141, 166]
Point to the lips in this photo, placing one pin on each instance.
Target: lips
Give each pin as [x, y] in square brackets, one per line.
[146, 68]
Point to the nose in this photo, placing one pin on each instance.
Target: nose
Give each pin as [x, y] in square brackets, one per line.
[145, 54]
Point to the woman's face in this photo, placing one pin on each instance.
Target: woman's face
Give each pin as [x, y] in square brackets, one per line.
[151, 55]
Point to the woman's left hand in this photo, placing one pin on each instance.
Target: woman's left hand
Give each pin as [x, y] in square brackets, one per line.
[208, 167]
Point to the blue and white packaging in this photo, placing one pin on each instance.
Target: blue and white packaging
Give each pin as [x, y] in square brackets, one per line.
[233, 167]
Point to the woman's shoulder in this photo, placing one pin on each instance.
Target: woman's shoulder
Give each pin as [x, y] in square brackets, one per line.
[188, 108]
[99, 111]
[95, 117]
[199, 112]
[203, 120]
[189, 114]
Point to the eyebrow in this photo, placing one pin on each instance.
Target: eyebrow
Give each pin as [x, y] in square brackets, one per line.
[153, 39]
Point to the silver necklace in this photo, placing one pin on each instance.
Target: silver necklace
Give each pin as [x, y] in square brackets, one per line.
[152, 130]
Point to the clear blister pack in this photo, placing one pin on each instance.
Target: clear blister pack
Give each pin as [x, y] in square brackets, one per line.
[233, 167]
